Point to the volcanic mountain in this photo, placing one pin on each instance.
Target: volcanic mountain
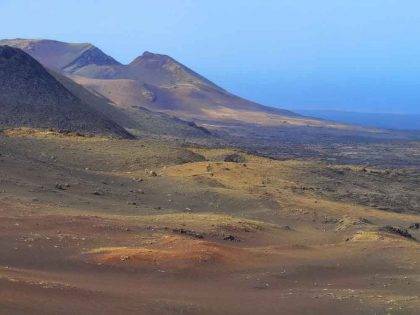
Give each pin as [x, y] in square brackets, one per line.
[41, 97]
[31, 97]
[156, 82]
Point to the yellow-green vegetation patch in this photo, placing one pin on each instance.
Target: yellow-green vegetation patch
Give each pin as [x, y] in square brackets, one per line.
[383, 234]
[50, 134]
[367, 236]
[204, 221]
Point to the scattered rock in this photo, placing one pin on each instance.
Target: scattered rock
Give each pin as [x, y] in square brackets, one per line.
[346, 223]
[62, 186]
[330, 220]
[231, 238]
[397, 231]
[235, 158]
[262, 286]
[188, 232]
[414, 226]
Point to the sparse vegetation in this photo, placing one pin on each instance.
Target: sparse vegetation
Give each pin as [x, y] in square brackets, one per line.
[269, 228]
[234, 202]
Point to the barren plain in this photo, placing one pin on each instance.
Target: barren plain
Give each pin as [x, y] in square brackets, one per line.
[92, 225]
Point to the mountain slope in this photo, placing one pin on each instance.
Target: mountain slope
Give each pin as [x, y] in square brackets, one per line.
[32, 97]
[161, 83]
[156, 82]
[138, 120]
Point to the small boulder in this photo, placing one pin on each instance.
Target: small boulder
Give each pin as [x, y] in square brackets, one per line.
[61, 186]
[231, 238]
[235, 158]
[414, 226]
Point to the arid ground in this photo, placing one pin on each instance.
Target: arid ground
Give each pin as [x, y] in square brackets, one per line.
[90, 225]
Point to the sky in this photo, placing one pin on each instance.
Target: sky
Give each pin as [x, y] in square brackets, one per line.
[353, 55]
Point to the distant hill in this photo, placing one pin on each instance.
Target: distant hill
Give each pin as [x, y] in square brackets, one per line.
[30, 96]
[156, 82]
[157, 95]
[378, 120]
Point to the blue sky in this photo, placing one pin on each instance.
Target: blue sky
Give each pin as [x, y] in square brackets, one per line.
[361, 55]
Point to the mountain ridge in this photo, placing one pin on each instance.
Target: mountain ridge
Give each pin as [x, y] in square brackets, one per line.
[169, 86]
[59, 55]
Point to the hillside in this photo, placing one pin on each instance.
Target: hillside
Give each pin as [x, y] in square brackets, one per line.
[156, 82]
[156, 95]
[32, 97]
[138, 120]
[147, 227]
[284, 213]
